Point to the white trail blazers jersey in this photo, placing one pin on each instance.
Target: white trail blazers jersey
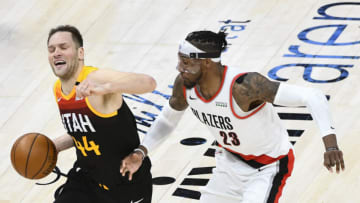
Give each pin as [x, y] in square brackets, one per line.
[256, 137]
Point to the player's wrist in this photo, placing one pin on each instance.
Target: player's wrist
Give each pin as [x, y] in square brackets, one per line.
[140, 152]
[334, 148]
[144, 149]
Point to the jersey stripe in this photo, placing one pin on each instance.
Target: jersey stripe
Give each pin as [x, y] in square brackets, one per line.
[261, 160]
[184, 92]
[285, 169]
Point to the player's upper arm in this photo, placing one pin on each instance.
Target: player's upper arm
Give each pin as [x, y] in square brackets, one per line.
[257, 87]
[177, 100]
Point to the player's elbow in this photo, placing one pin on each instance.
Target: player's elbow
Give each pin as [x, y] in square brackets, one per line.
[315, 96]
[150, 83]
[317, 93]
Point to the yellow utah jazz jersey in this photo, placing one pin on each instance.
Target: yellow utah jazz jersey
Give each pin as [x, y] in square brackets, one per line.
[101, 140]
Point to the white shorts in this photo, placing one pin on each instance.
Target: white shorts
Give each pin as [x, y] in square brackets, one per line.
[234, 181]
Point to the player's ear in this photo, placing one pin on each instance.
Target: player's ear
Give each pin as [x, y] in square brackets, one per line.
[81, 53]
[207, 62]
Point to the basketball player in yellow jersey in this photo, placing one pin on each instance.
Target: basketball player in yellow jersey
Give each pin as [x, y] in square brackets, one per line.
[99, 124]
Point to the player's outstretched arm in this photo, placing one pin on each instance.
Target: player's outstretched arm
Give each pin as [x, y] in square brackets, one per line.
[106, 81]
[255, 87]
[317, 104]
[168, 119]
[159, 131]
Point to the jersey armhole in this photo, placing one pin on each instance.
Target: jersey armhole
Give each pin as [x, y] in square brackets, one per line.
[103, 115]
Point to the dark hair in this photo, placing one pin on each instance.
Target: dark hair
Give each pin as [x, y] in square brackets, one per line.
[76, 36]
[208, 41]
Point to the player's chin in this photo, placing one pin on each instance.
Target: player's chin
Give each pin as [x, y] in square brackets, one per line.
[61, 72]
[189, 84]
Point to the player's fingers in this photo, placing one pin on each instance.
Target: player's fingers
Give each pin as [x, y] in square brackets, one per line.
[83, 85]
[337, 161]
[86, 89]
[125, 170]
[329, 168]
[122, 167]
[130, 175]
[82, 90]
[342, 163]
[332, 156]
[327, 161]
[78, 92]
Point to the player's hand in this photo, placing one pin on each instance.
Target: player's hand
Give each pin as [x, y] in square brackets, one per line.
[131, 164]
[88, 87]
[334, 158]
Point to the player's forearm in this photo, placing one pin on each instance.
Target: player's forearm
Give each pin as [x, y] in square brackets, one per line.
[122, 82]
[313, 99]
[63, 142]
[162, 127]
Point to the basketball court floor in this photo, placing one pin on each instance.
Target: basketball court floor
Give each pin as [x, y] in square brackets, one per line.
[314, 43]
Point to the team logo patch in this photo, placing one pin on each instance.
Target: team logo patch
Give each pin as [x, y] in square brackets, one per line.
[221, 104]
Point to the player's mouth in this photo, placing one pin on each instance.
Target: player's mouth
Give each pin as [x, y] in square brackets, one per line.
[59, 63]
[185, 76]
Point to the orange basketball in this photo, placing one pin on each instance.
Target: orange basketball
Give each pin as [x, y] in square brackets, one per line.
[33, 155]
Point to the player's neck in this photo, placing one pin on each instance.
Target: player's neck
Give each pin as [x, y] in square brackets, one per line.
[211, 81]
[68, 84]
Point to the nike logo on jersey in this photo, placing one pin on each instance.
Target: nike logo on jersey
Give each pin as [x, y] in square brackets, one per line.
[59, 99]
[332, 127]
[137, 201]
[192, 98]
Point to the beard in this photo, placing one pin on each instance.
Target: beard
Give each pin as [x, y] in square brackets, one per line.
[71, 68]
[189, 84]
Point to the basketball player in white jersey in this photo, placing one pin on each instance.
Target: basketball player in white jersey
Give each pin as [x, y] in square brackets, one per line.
[255, 157]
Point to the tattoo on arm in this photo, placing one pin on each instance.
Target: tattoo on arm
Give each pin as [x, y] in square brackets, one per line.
[257, 87]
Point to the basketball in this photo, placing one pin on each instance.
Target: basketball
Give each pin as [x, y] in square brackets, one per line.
[33, 155]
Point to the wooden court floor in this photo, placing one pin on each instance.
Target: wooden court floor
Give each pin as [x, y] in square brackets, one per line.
[314, 43]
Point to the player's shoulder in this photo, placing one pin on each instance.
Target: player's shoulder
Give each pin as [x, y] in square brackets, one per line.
[89, 72]
[89, 69]
[248, 77]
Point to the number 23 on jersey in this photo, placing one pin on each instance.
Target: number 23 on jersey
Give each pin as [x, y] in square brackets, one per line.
[230, 138]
